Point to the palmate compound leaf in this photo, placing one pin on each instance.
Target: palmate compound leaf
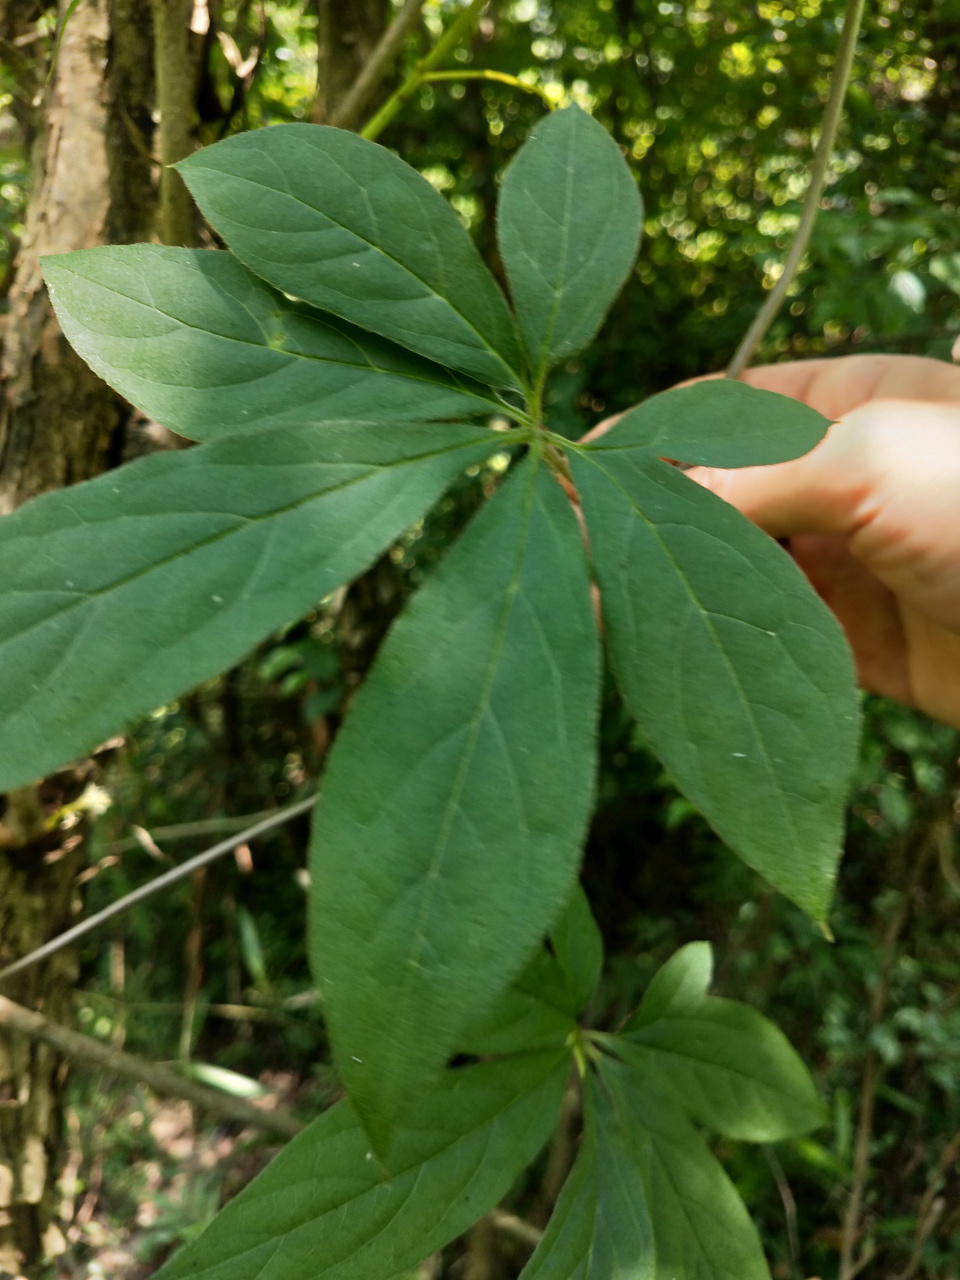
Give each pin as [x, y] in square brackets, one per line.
[701, 1228]
[204, 347]
[345, 225]
[449, 827]
[541, 1006]
[123, 592]
[721, 1061]
[738, 674]
[326, 1210]
[568, 225]
[600, 1228]
[646, 1198]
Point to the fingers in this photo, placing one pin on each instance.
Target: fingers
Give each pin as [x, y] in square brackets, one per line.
[836, 387]
[602, 428]
[867, 611]
[813, 494]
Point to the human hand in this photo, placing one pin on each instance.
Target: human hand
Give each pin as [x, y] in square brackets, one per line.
[872, 514]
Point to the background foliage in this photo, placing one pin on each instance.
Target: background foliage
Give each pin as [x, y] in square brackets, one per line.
[714, 104]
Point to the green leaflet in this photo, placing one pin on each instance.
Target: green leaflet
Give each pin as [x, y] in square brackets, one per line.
[455, 801]
[719, 423]
[325, 1210]
[600, 1228]
[720, 1060]
[123, 592]
[569, 225]
[541, 1007]
[196, 341]
[578, 949]
[739, 675]
[347, 226]
[701, 1228]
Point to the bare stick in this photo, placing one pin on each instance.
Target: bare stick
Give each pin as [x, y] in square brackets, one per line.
[376, 67]
[175, 89]
[930, 1209]
[456, 32]
[187, 830]
[155, 886]
[163, 1080]
[811, 204]
[789, 1207]
[515, 1229]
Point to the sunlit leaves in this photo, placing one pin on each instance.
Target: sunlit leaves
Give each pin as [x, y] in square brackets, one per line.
[454, 805]
[701, 1228]
[196, 341]
[569, 225]
[725, 1064]
[338, 221]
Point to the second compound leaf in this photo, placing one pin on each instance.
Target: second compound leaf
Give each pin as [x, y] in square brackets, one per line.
[600, 1228]
[724, 1063]
[126, 591]
[450, 824]
[326, 1210]
[701, 1227]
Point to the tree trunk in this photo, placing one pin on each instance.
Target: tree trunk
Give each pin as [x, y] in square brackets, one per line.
[347, 31]
[92, 182]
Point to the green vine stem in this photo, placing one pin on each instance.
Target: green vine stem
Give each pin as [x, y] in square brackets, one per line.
[501, 77]
[455, 33]
[811, 204]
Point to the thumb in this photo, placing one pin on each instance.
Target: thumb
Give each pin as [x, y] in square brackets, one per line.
[812, 494]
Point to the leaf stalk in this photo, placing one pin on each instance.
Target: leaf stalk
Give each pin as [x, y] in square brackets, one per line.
[455, 33]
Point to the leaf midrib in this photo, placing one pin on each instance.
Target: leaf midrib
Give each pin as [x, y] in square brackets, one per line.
[707, 1062]
[368, 367]
[417, 1166]
[411, 964]
[708, 623]
[245, 523]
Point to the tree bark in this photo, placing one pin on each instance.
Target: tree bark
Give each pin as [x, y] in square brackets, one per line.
[92, 182]
[347, 32]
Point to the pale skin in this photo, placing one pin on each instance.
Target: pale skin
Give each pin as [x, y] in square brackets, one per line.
[872, 515]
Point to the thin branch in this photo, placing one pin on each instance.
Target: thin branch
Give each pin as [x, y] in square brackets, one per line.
[789, 1207]
[455, 33]
[163, 1080]
[186, 830]
[811, 204]
[931, 1208]
[377, 66]
[861, 1169]
[500, 77]
[516, 1229]
[155, 886]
